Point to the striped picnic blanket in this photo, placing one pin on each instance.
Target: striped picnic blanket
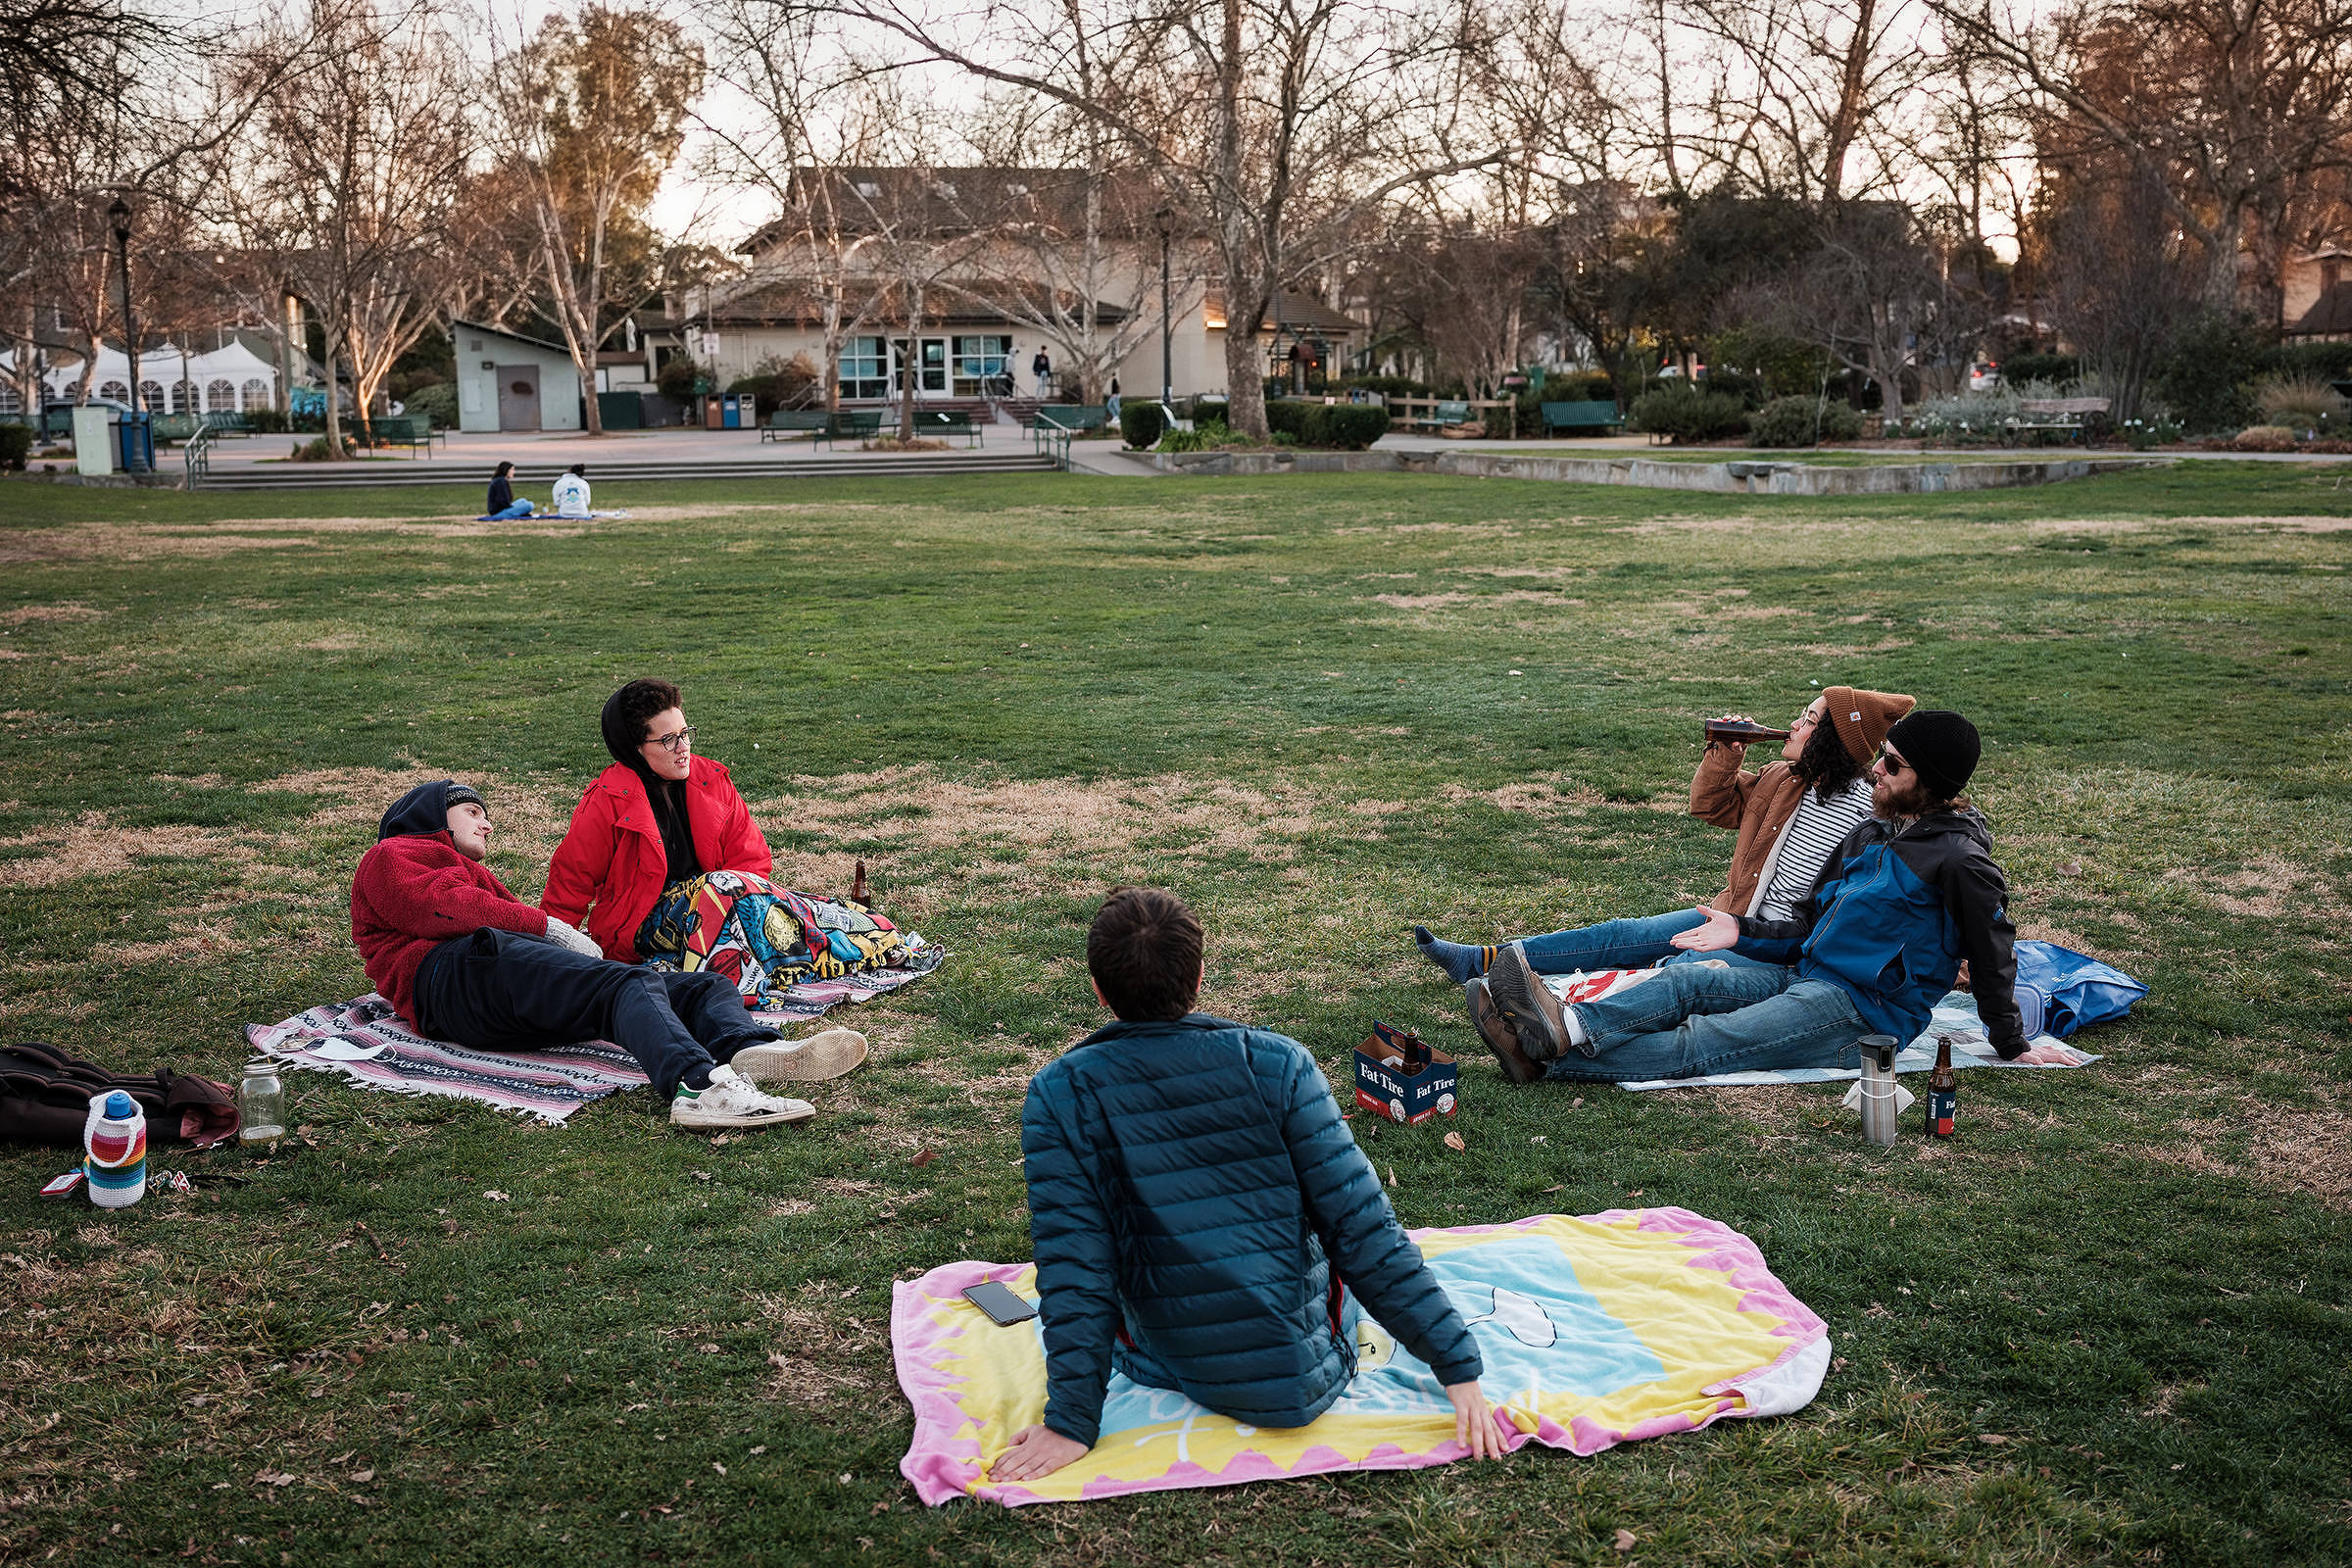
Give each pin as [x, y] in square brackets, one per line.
[376, 1048]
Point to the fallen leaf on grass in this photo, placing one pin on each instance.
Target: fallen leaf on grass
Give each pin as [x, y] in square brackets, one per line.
[1626, 1539]
[720, 1468]
[495, 1196]
[1392, 1175]
[1993, 1438]
[925, 1157]
[2070, 868]
[708, 1350]
[1453, 1140]
[274, 1478]
[757, 1452]
[360, 1477]
[1555, 1189]
[880, 1507]
[1540, 1138]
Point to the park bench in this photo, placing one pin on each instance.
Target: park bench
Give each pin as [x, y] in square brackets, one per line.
[174, 426]
[851, 425]
[411, 431]
[947, 421]
[226, 423]
[1443, 413]
[794, 421]
[1603, 416]
[2062, 418]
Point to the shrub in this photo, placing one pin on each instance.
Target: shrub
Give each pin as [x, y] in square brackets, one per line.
[2206, 373]
[2052, 368]
[2322, 361]
[1141, 424]
[267, 421]
[1803, 422]
[437, 401]
[16, 444]
[2300, 403]
[2265, 439]
[312, 451]
[1346, 426]
[1748, 389]
[777, 384]
[1687, 415]
[678, 377]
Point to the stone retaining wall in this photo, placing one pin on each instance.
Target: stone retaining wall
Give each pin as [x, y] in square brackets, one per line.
[1744, 477]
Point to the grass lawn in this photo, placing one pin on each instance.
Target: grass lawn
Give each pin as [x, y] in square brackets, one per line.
[1321, 708]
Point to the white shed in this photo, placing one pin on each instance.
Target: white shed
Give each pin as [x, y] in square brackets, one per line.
[510, 382]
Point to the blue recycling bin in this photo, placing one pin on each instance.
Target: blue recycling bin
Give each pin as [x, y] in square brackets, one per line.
[134, 441]
[730, 413]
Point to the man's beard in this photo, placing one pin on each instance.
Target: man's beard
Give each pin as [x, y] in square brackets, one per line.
[1909, 800]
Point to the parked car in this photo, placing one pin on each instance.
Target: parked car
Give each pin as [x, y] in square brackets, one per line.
[1984, 377]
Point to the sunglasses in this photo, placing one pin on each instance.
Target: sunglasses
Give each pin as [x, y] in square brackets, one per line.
[676, 740]
[1888, 759]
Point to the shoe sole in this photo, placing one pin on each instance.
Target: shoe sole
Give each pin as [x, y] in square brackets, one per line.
[707, 1121]
[1499, 1038]
[817, 1059]
[1511, 985]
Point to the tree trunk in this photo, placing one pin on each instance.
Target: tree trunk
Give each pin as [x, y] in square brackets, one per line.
[1244, 366]
[334, 411]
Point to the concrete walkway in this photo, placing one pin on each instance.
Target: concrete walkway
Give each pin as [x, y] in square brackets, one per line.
[473, 455]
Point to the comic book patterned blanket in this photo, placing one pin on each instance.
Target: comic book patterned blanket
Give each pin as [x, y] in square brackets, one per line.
[1619, 1326]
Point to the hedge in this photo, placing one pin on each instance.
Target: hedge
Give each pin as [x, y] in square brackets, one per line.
[1687, 416]
[1803, 422]
[16, 444]
[1141, 424]
[1346, 426]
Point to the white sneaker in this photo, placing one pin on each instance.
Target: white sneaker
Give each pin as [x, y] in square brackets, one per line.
[806, 1061]
[731, 1101]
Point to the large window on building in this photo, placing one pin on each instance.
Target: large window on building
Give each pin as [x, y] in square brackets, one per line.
[220, 397]
[865, 368]
[257, 394]
[979, 363]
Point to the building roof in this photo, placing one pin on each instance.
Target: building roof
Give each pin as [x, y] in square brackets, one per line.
[790, 303]
[1292, 311]
[460, 324]
[2330, 316]
[938, 203]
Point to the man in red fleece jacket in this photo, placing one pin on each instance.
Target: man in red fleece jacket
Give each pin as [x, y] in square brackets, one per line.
[467, 961]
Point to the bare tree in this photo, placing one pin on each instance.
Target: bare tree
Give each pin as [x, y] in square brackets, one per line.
[1278, 128]
[353, 173]
[2226, 108]
[593, 115]
[2123, 279]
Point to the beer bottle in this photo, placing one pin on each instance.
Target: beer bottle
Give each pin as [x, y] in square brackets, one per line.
[1742, 732]
[857, 890]
[1944, 1090]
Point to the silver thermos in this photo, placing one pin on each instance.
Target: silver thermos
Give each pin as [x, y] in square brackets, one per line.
[1877, 1087]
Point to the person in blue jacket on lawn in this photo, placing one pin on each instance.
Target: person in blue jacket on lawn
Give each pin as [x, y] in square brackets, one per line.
[1196, 1204]
[1873, 945]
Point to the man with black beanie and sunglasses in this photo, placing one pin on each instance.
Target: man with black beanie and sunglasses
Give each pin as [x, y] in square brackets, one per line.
[1902, 900]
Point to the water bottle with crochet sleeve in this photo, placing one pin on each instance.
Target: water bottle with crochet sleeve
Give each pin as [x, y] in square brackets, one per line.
[114, 1151]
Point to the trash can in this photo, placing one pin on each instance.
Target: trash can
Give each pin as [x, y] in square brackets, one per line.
[134, 441]
[730, 413]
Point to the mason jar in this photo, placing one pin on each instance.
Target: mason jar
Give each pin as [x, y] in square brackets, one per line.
[261, 1103]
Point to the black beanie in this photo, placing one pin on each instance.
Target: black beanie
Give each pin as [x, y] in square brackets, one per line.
[1941, 745]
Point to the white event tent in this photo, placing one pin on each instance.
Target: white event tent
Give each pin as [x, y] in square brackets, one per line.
[173, 381]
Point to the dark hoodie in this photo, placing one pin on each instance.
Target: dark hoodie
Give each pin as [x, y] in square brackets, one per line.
[1893, 913]
[667, 796]
[413, 891]
[502, 494]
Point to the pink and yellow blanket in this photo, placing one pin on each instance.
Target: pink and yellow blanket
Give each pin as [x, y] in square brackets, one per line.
[1595, 1331]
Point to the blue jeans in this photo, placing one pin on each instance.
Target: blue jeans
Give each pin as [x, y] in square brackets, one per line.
[1634, 944]
[1697, 1017]
[520, 509]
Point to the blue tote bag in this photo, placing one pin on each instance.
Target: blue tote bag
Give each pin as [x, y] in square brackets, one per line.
[2060, 991]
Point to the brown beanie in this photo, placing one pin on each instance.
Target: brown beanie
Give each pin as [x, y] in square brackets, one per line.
[1862, 717]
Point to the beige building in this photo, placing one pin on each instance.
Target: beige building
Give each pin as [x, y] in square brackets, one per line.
[954, 279]
[2317, 296]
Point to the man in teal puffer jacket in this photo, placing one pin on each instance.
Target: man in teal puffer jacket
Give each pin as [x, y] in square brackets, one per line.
[1196, 1203]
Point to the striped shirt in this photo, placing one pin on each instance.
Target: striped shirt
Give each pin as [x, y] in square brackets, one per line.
[1814, 830]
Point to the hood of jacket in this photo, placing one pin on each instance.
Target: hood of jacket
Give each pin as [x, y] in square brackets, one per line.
[626, 749]
[420, 813]
[1962, 822]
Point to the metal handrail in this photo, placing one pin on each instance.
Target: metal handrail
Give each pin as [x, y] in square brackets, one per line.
[199, 454]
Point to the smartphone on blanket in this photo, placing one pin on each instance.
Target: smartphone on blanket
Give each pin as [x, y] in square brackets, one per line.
[1004, 1308]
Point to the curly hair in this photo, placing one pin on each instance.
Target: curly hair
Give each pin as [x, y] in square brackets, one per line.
[1824, 765]
[640, 699]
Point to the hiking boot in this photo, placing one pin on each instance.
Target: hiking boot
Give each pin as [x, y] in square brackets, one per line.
[813, 1060]
[1534, 1012]
[730, 1101]
[1501, 1038]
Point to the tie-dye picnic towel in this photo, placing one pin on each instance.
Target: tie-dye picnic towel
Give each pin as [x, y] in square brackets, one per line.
[767, 939]
[1955, 1016]
[1630, 1324]
[376, 1048]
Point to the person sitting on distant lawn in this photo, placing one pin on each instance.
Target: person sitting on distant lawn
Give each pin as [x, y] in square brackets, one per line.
[662, 863]
[1196, 1204]
[502, 506]
[570, 494]
[1870, 949]
[1789, 814]
[466, 961]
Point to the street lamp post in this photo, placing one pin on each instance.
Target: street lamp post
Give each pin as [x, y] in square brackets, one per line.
[1167, 313]
[118, 214]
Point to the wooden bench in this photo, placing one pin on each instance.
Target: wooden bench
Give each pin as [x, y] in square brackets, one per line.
[174, 426]
[794, 421]
[411, 431]
[851, 425]
[947, 421]
[1603, 416]
[226, 423]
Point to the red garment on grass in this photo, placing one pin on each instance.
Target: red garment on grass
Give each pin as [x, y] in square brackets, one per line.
[416, 890]
[608, 873]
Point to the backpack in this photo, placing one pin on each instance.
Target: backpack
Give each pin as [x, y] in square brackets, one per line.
[45, 1098]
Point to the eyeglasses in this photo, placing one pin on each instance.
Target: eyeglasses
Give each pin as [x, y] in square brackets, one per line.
[1808, 717]
[677, 740]
[1888, 759]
